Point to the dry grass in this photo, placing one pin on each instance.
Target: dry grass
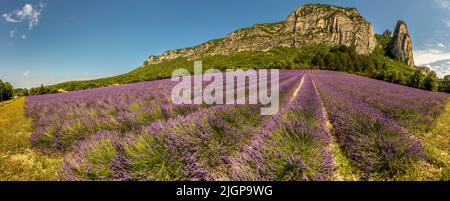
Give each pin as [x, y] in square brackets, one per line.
[437, 147]
[17, 160]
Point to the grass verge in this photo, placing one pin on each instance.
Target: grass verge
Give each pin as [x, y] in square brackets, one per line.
[18, 162]
[436, 144]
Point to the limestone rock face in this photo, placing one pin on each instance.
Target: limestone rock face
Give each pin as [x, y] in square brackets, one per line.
[331, 25]
[310, 24]
[401, 45]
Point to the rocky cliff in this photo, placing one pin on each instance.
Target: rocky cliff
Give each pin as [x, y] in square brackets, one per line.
[310, 24]
[331, 25]
[401, 46]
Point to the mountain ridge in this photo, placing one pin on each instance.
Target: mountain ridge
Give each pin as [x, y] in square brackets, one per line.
[307, 25]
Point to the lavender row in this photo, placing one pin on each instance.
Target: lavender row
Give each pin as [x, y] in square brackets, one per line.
[412, 108]
[375, 144]
[291, 146]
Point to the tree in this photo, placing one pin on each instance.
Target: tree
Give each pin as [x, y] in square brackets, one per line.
[318, 60]
[431, 82]
[416, 79]
[445, 86]
[2, 87]
[6, 91]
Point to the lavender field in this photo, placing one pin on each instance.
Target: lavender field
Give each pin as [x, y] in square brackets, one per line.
[331, 126]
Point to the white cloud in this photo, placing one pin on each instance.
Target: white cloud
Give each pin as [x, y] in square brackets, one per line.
[8, 18]
[27, 13]
[442, 68]
[424, 57]
[443, 3]
[26, 74]
[437, 60]
[12, 33]
[440, 45]
[24, 37]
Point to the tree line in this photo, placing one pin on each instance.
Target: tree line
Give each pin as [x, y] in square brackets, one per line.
[346, 59]
[7, 91]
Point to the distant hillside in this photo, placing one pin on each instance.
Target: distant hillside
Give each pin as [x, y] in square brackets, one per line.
[313, 36]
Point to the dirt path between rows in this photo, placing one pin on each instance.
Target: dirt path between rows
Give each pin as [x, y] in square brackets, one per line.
[294, 95]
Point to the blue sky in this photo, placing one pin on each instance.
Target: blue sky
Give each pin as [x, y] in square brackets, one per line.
[50, 41]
